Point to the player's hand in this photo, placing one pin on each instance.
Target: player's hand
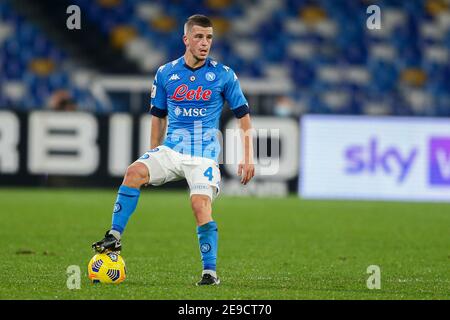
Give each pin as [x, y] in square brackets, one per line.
[246, 171]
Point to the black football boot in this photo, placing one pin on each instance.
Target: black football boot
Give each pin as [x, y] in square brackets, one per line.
[107, 244]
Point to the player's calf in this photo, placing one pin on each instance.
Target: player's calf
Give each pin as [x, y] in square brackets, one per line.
[201, 207]
[126, 202]
[207, 238]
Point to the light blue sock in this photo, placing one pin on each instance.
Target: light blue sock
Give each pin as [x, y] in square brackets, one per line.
[207, 239]
[126, 202]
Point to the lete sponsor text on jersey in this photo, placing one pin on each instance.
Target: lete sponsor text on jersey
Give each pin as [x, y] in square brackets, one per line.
[182, 93]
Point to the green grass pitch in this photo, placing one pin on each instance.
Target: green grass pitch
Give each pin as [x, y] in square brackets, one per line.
[268, 248]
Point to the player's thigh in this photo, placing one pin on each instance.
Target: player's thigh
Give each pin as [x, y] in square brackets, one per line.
[204, 179]
[161, 166]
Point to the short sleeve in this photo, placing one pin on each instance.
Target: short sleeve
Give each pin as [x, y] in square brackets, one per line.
[158, 96]
[234, 96]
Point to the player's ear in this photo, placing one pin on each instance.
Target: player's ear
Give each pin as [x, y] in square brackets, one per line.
[185, 40]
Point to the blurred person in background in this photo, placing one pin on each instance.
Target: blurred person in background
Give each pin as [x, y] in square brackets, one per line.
[61, 100]
[284, 107]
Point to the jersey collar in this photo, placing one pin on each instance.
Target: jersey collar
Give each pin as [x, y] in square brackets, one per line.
[194, 69]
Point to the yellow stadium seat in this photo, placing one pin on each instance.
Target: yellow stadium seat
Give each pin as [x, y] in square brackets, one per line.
[220, 25]
[42, 66]
[414, 77]
[164, 24]
[109, 3]
[312, 14]
[217, 4]
[121, 35]
[435, 7]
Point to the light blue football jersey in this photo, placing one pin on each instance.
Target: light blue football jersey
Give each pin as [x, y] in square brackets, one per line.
[193, 100]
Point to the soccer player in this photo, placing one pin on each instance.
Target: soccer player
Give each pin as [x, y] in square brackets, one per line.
[190, 91]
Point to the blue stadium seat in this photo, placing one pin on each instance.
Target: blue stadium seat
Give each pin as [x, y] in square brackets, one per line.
[302, 72]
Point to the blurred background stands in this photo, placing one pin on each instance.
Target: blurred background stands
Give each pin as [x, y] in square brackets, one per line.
[319, 53]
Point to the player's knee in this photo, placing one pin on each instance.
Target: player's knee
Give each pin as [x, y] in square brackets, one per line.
[200, 204]
[136, 175]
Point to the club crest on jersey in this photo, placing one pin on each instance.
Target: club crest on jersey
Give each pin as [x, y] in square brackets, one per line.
[210, 76]
[182, 93]
[192, 78]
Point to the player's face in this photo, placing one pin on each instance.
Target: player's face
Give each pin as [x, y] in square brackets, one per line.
[198, 41]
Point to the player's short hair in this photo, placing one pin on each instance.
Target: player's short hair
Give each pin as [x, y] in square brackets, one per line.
[197, 20]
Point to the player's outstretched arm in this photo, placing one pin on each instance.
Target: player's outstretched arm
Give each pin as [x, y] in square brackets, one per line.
[246, 168]
[158, 131]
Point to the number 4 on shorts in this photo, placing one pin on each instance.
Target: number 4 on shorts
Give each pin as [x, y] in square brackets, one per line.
[208, 173]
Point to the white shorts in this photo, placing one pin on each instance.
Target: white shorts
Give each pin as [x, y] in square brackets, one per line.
[165, 165]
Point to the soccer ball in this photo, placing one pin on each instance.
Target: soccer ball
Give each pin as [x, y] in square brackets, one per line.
[107, 268]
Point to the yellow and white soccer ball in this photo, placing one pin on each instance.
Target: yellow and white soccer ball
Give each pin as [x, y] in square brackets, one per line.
[107, 268]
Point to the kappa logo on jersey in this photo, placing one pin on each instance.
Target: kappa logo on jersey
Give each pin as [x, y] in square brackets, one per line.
[174, 77]
[182, 93]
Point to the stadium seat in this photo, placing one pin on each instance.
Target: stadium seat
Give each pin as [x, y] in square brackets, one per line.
[32, 66]
[302, 42]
